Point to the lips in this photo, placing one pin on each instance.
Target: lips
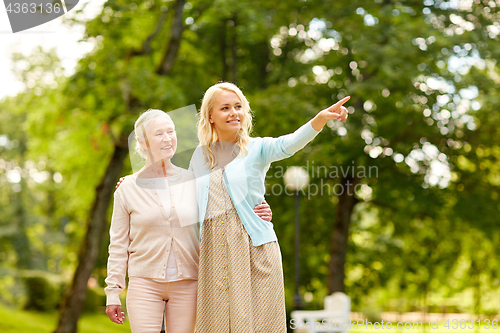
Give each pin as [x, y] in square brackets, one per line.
[234, 121]
[166, 148]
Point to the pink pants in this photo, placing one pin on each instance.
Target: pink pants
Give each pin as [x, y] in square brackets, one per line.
[147, 299]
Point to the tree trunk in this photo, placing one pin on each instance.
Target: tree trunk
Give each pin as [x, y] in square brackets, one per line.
[72, 303]
[167, 61]
[338, 248]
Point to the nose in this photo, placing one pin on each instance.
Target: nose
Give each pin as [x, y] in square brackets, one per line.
[166, 137]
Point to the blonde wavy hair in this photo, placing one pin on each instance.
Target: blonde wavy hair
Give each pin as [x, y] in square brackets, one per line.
[206, 131]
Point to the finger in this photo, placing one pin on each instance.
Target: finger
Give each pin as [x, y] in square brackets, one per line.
[118, 318]
[341, 102]
[114, 314]
[343, 114]
[114, 318]
[334, 113]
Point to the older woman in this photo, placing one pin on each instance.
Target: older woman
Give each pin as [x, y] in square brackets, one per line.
[154, 235]
[240, 287]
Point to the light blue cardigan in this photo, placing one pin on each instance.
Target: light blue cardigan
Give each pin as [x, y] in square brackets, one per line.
[244, 178]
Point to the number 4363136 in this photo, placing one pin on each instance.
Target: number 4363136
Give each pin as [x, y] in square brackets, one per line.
[33, 8]
[471, 324]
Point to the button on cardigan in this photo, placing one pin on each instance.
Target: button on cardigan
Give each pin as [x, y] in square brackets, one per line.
[244, 178]
[142, 235]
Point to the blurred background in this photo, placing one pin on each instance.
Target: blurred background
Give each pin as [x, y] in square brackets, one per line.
[402, 207]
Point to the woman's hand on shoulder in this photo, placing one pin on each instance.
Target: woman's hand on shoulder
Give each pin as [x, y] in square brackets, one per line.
[120, 182]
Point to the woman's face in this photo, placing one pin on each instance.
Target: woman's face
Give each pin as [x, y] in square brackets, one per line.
[162, 139]
[227, 113]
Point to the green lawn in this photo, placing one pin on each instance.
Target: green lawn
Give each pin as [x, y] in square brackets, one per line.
[17, 321]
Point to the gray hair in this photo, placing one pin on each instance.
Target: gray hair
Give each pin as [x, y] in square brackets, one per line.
[141, 125]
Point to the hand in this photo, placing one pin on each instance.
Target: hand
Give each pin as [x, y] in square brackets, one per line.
[337, 110]
[264, 211]
[115, 313]
[120, 182]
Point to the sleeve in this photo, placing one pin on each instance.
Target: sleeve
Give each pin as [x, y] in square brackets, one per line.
[275, 149]
[118, 251]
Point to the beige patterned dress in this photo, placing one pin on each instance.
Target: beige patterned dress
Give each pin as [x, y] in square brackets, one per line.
[240, 287]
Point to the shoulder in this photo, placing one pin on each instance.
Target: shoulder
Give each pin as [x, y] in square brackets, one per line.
[198, 155]
[128, 184]
[265, 141]
[256, 142]
[184, 175]
[198, 162]
[198, 152]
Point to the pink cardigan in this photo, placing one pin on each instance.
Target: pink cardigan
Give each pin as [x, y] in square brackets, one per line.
[141, 235]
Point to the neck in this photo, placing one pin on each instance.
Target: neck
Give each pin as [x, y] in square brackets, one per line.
[227, 137]
[161, 168]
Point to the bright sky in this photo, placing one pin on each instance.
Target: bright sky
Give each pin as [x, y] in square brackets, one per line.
[49, 35]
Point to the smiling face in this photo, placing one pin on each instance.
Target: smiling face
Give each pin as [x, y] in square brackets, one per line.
[162, 139]
[226, 115]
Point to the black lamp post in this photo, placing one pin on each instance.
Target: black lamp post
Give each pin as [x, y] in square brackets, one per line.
[296, 179]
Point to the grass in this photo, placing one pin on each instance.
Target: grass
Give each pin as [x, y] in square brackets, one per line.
[19, 321]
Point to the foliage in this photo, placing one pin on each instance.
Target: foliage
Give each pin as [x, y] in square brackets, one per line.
[95, 300]
[42, 295]
[424, 82]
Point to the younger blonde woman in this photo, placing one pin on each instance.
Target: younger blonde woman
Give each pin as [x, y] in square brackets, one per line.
[240, 288]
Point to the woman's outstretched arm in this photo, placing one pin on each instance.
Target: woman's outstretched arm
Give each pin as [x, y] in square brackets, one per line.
[274, 149]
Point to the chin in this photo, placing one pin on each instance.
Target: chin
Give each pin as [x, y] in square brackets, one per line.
[166, 156]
